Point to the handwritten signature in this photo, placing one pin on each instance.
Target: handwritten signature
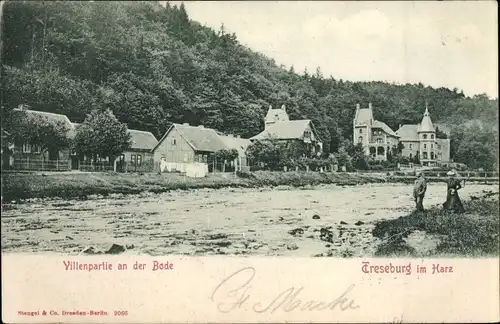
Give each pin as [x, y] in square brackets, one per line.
[234, 292]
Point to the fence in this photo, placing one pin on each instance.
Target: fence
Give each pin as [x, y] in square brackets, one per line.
[41, 165]
[95, 167]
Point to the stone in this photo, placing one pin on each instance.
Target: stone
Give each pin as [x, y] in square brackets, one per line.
[292, 246]
[316, 216]
[343, 223]
[359, 223]
[115, 249]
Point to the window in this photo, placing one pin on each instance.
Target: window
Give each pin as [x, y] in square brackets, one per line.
[35, 149]
[361, 131]
[379, 140]
[432, 145]
[432, 136]
[425, 136]
[139, 159]
[26, 148]
[174, 142]
[425, 145]
[432, 155]
[133, 158]
[411, 155]
[360, 139]
[307, 134]
[425, 155]
[410, 145]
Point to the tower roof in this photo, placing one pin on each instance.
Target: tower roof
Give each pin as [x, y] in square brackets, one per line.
[426, 124]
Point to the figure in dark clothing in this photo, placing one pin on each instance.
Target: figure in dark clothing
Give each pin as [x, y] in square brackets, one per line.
[453, 201]
[419, 190]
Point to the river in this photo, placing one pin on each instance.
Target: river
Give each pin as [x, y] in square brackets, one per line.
[223, 221]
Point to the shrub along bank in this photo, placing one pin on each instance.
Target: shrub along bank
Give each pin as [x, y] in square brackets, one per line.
[80, 185]
[474, 233]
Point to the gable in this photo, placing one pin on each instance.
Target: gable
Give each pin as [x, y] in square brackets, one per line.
[199, 138]
[286, 130]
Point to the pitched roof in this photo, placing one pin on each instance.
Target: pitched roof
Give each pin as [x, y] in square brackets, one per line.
[142, 140]
[54, 118]
[199, 138]
[240, 144]
[385, 128]
[293, 129]
[363, 116]
[426, 123]
[408, 132]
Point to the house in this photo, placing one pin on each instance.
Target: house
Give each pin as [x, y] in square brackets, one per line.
[279, 127]
[420, 140]
[30, 156]
[375, 136]
[137, 158]
[240, 145]
[182, 144]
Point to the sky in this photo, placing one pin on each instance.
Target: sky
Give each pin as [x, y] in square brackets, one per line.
[441, 44]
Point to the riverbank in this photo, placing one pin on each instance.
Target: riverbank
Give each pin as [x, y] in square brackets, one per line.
[18, 186]
[439, 233]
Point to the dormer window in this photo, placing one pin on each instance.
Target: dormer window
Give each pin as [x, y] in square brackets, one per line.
[307, 134]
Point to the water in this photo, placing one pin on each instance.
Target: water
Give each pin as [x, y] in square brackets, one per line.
[223, 221]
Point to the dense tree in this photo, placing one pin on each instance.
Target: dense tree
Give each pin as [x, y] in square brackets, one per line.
[36, 130]
[101, 135]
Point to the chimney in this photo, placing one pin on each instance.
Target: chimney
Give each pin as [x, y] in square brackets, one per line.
[370, 105]
[357, 106]
[270, 107]
[238, 136]
[185, 124]
[400, 125]
[283, 107]
[201, 126]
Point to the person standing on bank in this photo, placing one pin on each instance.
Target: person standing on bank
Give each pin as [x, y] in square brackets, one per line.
[419, 190]
[453, 201]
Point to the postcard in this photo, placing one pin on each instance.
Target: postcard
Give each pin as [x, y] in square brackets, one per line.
[249, 162]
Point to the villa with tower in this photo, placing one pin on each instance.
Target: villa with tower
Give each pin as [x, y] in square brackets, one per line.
[418, 140]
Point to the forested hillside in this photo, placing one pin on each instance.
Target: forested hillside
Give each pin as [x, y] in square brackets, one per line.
[152, 65]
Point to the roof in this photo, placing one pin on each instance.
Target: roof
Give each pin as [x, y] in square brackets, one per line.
[363, 116]
[52, 117]
[292, 129]
[199, 138]
[240, 144]
[385, 128]
[426, 123]
[408, 132]
[142, 140]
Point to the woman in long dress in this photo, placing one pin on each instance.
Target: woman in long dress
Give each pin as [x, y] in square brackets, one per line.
[453, 201]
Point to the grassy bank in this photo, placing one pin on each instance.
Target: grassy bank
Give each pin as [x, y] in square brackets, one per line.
[16, 186]
[472, 234]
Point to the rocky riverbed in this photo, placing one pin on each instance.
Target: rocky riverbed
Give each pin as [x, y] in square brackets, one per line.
[325, 220]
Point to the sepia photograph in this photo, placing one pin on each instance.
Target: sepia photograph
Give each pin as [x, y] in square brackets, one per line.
[236, 130]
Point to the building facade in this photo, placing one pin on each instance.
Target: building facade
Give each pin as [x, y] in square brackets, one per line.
[279, 127]
[418, 141]
[377, 138]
